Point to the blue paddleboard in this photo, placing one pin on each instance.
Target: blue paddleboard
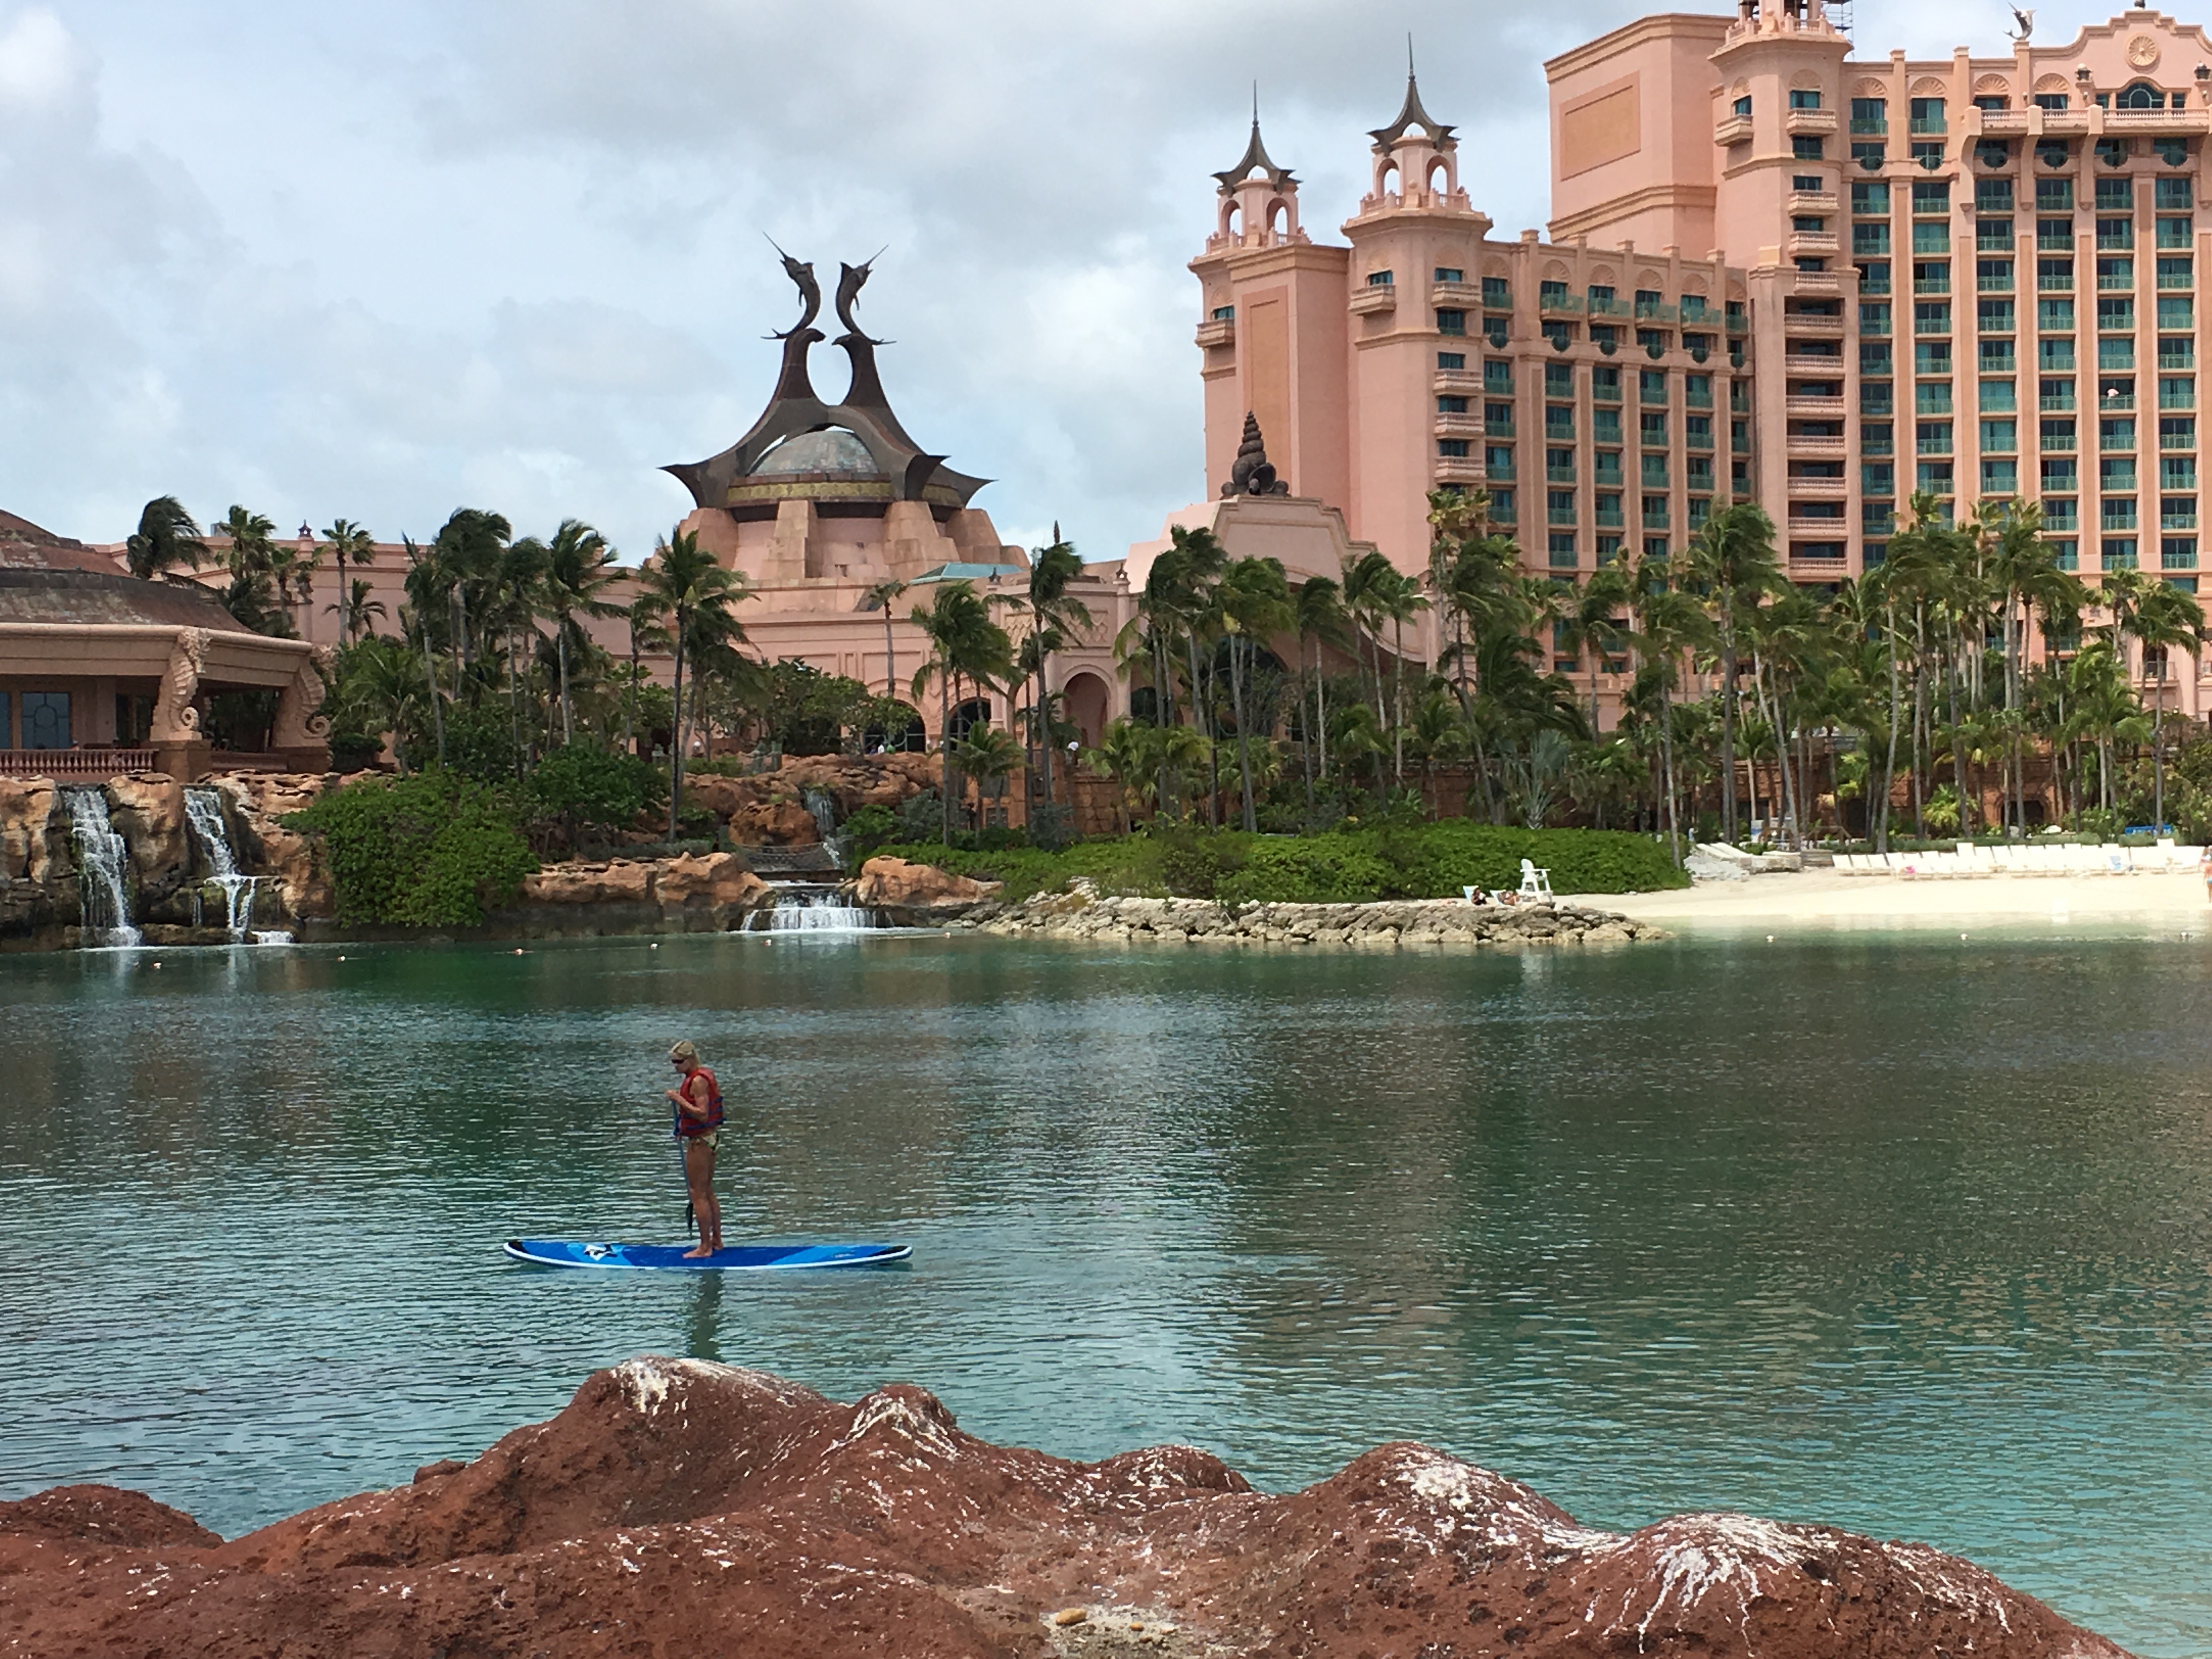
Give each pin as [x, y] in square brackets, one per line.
[735, 1258]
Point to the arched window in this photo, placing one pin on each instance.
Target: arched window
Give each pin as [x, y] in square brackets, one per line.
[976, 711]
[2140, 94]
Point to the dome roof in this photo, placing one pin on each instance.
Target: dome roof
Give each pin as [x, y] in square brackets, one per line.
[832, 449]
[46, 578]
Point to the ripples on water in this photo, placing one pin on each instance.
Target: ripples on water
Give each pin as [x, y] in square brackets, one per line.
[1909, 1238]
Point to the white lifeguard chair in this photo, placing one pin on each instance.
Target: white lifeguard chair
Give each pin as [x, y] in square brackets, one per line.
[1535, 884]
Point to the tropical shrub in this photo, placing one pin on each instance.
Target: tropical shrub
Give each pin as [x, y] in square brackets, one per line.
[433, 850]
[584, 784]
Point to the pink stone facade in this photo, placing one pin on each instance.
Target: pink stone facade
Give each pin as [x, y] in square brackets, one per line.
[1778, 271]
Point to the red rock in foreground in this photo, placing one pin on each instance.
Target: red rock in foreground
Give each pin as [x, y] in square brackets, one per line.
[680, 1508]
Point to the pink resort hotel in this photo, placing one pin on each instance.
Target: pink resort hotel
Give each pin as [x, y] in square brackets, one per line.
[1778, 270]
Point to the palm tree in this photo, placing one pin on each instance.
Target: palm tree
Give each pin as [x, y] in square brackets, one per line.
[166, 538]
[1255, 602]
[687, 584]
[2165, 618]
[424, 594]
[646, 631]
[356, 604]
[1319, 615]
[880, 597]
[1732, 556]
[579, 566]
[964, 644]
[1053, 611]
[256, 593]
[350, 545]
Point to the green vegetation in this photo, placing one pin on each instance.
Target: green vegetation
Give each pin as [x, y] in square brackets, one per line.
[1349, 866]
[435, 850]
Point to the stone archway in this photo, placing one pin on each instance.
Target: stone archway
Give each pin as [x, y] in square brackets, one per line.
[1085, 701]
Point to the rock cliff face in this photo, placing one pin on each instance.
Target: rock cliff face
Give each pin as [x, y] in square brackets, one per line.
[712, 892]
[770, 809]
[918, 895]
[677, 1507]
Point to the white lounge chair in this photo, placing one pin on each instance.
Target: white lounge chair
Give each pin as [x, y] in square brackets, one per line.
[1535, 884]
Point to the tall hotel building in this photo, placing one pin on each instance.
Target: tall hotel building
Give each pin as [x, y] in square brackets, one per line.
[1776, 271]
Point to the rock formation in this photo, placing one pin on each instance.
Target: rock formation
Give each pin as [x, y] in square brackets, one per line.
[677, 1507]
[1385, 924]
[710, 892]
[917, 894]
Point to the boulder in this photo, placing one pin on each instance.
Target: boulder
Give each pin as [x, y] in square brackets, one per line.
[29, 849]
[713, 892]
[908, 890]
[148, 810]
[258, 803]
[619, 881]
[709, 880]
[678, 1507]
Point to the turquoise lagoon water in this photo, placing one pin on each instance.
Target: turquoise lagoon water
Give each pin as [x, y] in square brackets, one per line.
[1904, 1234]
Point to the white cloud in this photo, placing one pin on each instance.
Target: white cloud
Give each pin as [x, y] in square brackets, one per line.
[383, 261]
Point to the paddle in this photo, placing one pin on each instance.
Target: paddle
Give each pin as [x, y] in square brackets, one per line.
[690, 1211]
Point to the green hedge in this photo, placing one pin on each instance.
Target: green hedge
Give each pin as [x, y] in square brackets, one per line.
[433, 850]
[1430, 860]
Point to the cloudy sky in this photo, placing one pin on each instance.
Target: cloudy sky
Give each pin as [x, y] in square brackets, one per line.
[380, 261]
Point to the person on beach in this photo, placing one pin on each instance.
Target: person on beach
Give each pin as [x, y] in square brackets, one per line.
[698, 1102]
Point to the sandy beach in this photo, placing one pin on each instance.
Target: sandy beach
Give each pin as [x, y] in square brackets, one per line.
[1813, 900]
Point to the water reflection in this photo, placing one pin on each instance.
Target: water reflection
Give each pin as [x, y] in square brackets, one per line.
[1904, 1235]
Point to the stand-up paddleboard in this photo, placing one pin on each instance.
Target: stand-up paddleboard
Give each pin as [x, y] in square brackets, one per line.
[735, 1258]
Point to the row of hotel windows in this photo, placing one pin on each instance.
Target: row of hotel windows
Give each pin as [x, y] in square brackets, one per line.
[1926, 115]
[1931, 199]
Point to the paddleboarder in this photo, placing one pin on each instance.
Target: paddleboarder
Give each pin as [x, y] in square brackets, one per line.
[698, 1102]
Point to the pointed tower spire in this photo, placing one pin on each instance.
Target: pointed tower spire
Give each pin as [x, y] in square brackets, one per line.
[1410, 114]
[1255, 156]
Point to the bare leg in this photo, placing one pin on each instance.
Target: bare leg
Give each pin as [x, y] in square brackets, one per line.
[699, 1176]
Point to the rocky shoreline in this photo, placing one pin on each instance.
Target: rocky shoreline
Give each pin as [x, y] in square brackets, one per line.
[923, 896]
[676, 1506]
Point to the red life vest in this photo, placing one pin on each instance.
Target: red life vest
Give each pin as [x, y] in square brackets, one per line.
[689, 1127]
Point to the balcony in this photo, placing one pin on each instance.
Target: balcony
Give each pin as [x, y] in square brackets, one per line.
[1732, 129]
[1797, 446]
[1834, 530]
[1659, 312]
[1463, 296]
[2118, 403]
[1463, 382]
[1600, 305]
[2178, 359]
[2177, 400]
[1821, 490]
[1815, 282]
[1559, 435]
[1941, 325]
[2060, 443]
[1813, 201]
[1810, 326]
[1560, 474]
[1813, 245]
[1559, 305]
[1927, 285]
[1217, 332]
[1994, 284]
[2055, 284]
[1608, 518]
[1809, 122]
[1374, 299]
[2057, 403]
[1818, 368]
[1458, 469]
[1460, 426]
[1799, 407]
[2177, 441]
[1497, 428]
[1927, 127]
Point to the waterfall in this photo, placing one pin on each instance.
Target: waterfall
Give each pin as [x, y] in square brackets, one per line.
[100, 854]
[204, 812]
[807, 907]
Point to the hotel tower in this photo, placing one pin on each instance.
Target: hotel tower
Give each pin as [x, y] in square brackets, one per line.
[1776, 271]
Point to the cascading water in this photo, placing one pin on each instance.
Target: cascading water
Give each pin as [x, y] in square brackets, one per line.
[204, 812]
[100, 852]
[808, 907]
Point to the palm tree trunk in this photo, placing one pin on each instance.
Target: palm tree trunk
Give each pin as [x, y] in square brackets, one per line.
[676, 744]
[945, 736]
[1243, 735]
[561, 650]
[437, 713]
[1727, 714]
